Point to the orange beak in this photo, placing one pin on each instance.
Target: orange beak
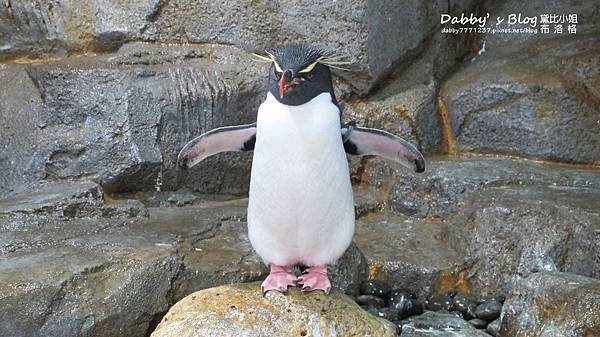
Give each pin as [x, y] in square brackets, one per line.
[286, 82]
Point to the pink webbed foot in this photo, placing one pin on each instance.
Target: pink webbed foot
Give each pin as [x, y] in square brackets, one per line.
[278, 279]
[315, 278]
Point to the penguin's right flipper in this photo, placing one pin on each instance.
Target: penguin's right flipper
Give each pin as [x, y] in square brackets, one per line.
[365, 141]
[227, 138]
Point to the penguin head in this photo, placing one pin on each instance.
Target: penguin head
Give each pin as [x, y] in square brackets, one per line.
[299, 73]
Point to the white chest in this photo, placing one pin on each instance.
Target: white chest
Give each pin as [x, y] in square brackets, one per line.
[300, 191]
[302, 132]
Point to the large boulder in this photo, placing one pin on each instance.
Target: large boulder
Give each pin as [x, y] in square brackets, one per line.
[552, 304]
[507, 233]
[538, 104]
[121, 119]
[241, 310]
[357, 30]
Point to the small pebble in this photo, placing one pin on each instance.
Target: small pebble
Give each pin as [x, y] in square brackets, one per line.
[478, 323]
[376, 288]
[399, 299]
[408, 308]
[488, 311]
[494, 328]
[440, 302]
[370, 300]
[466, 304]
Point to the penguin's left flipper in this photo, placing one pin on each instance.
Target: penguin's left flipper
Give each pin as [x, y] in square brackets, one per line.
[365, 141]
[228, 138]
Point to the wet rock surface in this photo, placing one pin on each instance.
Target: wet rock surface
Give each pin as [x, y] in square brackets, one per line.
[349, 271]
[240, 309]
[56, 200]
[406, 251]
[543, 101]
[507, 233]
[438, 324]
[114, 264]
[98, 276]
[120, 119]
[587, 14]
[552, 304]
[441, 190]
[356, 29]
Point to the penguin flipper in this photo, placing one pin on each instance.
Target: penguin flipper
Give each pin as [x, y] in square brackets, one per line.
[227, 138]
[365, 141]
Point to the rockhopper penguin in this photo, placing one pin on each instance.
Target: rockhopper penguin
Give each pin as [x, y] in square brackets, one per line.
[301, 208]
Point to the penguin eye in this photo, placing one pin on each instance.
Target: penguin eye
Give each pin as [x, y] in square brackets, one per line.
[309, 76]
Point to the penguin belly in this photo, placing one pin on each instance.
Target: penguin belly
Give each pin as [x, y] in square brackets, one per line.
[301, 207]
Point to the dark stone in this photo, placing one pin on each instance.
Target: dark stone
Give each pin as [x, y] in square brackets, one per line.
[451, 293]
[349, 271]
[457, 314]
[390, 314]
[401, 293]
[478, 323]
[370, 301]
[440, 302]
[466, 305]
[376, 288]
[489, 310]
[552, 304]
[405, 302]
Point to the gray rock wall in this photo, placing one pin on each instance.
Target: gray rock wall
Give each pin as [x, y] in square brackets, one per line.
[120, 119]
[355, 29]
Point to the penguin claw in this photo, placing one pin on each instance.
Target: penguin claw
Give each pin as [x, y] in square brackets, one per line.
[279, 279]
[315, 279]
